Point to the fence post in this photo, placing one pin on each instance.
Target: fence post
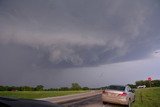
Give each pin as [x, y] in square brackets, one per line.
[141, 97]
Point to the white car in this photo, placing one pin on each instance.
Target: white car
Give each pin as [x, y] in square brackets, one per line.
[141, 86]
[118, 94]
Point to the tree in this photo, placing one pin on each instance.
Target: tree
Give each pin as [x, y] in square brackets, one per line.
[143, 82]
[132, 85]
[138, 83]
[85, 88]
[39, 88]
[75, 86]
[2, 88]
[64, 89]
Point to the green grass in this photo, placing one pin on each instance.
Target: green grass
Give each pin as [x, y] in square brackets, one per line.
[148, 97]
[36, 94]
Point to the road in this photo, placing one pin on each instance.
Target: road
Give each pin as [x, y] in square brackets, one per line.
[94, 101]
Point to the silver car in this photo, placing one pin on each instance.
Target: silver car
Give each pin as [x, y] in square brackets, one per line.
[118, 94]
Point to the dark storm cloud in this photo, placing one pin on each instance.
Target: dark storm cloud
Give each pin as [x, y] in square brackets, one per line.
[79, 32]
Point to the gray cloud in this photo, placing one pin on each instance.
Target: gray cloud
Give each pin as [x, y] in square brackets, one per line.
[78, 32]
[42, 35]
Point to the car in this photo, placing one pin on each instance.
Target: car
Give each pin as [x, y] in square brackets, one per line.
[118, 94]
[141, 86]
[18, 102]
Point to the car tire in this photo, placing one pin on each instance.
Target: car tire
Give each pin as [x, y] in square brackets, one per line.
[134, 99]
[104, 103]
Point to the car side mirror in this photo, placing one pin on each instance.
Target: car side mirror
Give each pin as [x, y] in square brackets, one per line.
[132, 91]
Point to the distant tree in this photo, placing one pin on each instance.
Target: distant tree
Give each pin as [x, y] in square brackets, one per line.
[75, 86]
[2, 88]
[39, 88]
[85, 88]
[132, 85]
[138, 83]
[143, 82]
[155, 83]
[64, 89]
[6, 88]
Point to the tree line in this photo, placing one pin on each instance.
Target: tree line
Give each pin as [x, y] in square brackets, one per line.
[153, 83]
[22, 88]
[75, 86]
[147, 83]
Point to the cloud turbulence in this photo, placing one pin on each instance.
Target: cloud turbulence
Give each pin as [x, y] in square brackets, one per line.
[60, 34]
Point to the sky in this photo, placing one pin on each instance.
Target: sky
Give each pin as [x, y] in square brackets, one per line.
[94, 43]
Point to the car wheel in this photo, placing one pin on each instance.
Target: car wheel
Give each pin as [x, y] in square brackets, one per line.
[134, 99]
[104, 103]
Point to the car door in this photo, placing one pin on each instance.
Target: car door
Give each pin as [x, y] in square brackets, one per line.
[131, 94]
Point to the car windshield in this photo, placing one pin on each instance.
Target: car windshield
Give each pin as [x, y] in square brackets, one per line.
[115, 87]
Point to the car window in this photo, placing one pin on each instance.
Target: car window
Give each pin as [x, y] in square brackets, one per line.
[119, 88]
[127, 88]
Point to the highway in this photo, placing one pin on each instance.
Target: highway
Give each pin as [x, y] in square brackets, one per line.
[94, 101]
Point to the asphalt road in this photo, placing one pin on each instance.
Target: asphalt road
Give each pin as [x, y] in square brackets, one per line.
[94, 101]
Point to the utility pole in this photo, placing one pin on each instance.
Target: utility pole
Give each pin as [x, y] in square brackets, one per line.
[149, 79]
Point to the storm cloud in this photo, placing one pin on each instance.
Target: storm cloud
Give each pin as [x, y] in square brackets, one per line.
[53, 34]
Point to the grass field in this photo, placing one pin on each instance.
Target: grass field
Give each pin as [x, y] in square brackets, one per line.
[36, 94]
[148, 97]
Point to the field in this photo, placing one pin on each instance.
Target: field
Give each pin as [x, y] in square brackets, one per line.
[36, 94]
[148, 97]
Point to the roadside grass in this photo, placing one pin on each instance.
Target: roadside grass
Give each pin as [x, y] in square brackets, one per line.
[148, 97]
[36, 94]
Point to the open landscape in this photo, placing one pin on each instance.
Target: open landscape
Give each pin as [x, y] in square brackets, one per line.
[147, 97]
[36, 94]
[79, 53]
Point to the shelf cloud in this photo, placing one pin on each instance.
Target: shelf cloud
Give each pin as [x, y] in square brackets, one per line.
[77, 33]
